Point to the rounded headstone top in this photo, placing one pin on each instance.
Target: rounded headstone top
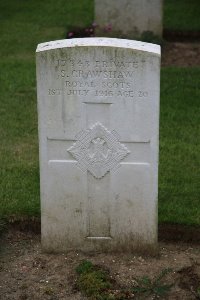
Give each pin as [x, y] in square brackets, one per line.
[100, 42]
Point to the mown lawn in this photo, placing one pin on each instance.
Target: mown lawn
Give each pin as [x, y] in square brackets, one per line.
[25, 24]
[179, 188]
[182, 14]
[22, 26]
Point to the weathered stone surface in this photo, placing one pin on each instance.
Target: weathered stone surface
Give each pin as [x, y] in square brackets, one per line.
[129, 18]
[98, 106]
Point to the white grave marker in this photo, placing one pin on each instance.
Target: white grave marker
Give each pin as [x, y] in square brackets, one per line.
[98, 105]
[129, 18]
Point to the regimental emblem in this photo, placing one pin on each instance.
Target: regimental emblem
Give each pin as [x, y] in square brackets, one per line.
[98, 150]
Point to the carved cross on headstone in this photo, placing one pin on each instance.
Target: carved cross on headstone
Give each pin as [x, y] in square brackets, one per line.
[106, 152]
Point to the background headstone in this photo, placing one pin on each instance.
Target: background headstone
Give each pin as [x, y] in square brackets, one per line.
[129, 18]
[98, 106]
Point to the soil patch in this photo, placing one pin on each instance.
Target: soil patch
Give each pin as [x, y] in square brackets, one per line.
[28, 273]
[181, 54]
[166, 232]
[181, 35]
[179, 233]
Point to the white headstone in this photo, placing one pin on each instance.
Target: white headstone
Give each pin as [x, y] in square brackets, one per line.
[129, 18]
[98, 105]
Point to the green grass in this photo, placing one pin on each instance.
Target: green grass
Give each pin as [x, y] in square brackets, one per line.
[182, 14]
[179, 187]
[22, 26]
[25, 24]
[19, 189]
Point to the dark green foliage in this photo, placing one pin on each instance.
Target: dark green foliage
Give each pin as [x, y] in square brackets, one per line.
[93, 281]
[146, 286]
[84, 267]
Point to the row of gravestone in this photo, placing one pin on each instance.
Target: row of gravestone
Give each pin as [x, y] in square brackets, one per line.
[98, 107]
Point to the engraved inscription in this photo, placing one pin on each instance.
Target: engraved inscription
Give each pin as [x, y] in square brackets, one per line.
[97, 78]
[112, 63]
[142, 94]
[54, 92]
[98, 150]
[97, 74]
